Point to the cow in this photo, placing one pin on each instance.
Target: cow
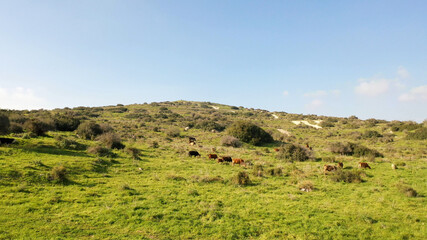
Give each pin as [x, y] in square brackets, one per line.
[307, 146]
[340, 165]
[227, 159]
[191, 140]
[6, 140]
[393, 166]
[192, 143]
[220, 160]
[238, 161]
[194, 154]
[329, 168]
[276, 149]
[186, 128]
[364, 165]
[212, 156]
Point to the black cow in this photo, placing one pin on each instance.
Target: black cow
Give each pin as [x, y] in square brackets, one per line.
[6, 140]
[194, 154]
[227, 159]
[191, 140]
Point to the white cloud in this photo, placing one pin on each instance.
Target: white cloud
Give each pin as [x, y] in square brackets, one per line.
[402, 73]
[318, 93]
[20, 98]
[285, 93]
[315, 103]
[372, 87]
[415, 94]
[336, 92]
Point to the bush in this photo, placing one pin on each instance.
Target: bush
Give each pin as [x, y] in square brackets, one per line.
[173, 132]
[420, 134]
[209, 125]
[58, 173]
[293, 152]
[353, 149]
[89, 130]
[36, 127]
[249, 133]
[371, 134]
[101, 151]
[134, 152]
[111, 140]
[275, 171]
[306, 186]
[258, 170]
[230, 141]
[408, 191]
[16, 128]
[66, 123]
[353, 176]
[66, 143]
[242, 179]
[4, 124]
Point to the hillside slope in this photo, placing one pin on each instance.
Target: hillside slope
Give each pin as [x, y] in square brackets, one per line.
[59, 185]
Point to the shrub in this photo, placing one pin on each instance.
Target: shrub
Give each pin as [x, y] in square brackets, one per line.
[89, 130]
[230, 141]
[306, 186]
[36, 127]
[258, 170]
[100, 151]
[353, 176]
[275, 171]
[209, 125]
[154, 144]
[16, 128]
[173, 132]
[58, 173]
[242, 179]
[408, 191]
[111, 140]
[371, 134]
[353, 149]
[134, 152]
[66, 143]
[66, 123]
[249, 133]
[293, 152]
[4, 124]
[420, 134]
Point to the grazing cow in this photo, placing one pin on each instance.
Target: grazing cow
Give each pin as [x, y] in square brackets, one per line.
[186, 128]
[227, 159]
[212, 156]
[393, 166]
[192, 143]
[276, 149]
[6, 140]
[191, 140]
[306, 145]
[340, 165]
[220, 160]
[364, 165]
[193, 154]
[238, 161]
[329, 168]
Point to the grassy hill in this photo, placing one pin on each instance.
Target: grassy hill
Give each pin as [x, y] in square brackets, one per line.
[60, 185]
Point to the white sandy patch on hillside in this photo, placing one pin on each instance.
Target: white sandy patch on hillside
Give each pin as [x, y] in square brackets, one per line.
[284, 132]
[308, 124]
[216, 108]
[275, 116]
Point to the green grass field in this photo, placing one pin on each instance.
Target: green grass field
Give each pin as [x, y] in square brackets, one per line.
[165, 194]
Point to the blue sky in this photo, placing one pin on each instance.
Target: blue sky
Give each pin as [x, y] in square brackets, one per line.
[336, 58]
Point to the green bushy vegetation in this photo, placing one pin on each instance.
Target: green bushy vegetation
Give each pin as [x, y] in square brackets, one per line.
[89, 130]
[61, 186]
[249, 133]
[419, 134]
[4, 124]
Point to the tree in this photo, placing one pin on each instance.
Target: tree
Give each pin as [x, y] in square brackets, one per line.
[249, 133]
[4, 124]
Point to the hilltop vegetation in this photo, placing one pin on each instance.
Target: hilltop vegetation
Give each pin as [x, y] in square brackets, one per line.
[118, 172]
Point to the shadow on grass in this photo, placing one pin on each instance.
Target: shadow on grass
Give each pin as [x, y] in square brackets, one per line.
[53, 150]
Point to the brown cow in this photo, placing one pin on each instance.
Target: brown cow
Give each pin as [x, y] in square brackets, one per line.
[238, 161]
[276, 149]
[227, 159]
[329, 168]
[220, 160]
[212, 156]
[340, 165]
[364, 165]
